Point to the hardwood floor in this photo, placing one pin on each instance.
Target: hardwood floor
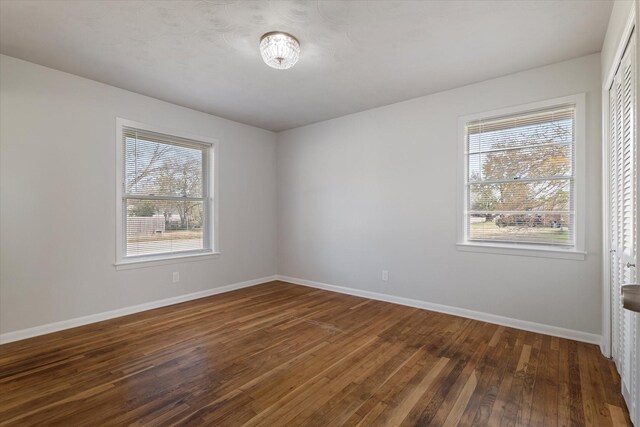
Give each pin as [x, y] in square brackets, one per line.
[280, 354]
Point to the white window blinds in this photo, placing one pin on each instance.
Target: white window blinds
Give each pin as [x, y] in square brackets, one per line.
[166, 200]
[520, 178]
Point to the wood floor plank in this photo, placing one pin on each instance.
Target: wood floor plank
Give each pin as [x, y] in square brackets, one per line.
[401, 411]
[468, 352]
[457, 410]
[280, 354]
[491, 371]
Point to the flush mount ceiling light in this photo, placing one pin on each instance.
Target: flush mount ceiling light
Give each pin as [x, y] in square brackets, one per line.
[279, 50]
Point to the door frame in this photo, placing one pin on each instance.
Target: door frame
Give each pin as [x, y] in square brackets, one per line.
[606, 344]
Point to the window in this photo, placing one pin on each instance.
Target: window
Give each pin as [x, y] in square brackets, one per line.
[165, 194]
[520, 178]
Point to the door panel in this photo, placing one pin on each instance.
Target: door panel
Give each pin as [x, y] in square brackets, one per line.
[623, 227]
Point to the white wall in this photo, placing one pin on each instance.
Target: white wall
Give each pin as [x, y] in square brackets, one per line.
[358, 194]
[57, 205]
[377, 190]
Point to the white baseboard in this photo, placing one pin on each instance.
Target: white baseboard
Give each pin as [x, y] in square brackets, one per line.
[85, 320]
[456, 311]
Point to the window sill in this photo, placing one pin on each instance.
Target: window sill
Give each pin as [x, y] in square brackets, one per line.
[153, 261]
[530, 251]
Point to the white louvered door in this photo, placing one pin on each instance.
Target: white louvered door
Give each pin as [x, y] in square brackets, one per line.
[623, 224]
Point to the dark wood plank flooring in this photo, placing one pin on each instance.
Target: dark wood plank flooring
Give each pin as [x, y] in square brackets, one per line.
[280, 354]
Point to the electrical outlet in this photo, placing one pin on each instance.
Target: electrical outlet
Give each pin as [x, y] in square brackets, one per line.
[385, 275]
[176, 277]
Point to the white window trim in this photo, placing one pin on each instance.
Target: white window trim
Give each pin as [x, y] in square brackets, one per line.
[123, 262]
[577, 252]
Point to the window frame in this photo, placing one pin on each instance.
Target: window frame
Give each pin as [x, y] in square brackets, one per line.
[127, 262]
[575, 252]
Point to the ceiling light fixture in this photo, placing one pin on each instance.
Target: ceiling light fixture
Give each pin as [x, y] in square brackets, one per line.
[279, 50]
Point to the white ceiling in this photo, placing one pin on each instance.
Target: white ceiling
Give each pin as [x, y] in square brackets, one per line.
[355, 54]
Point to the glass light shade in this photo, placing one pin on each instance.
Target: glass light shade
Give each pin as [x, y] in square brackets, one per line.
[279, 50]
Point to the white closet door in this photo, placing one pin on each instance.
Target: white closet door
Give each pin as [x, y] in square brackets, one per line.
[623, 227]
